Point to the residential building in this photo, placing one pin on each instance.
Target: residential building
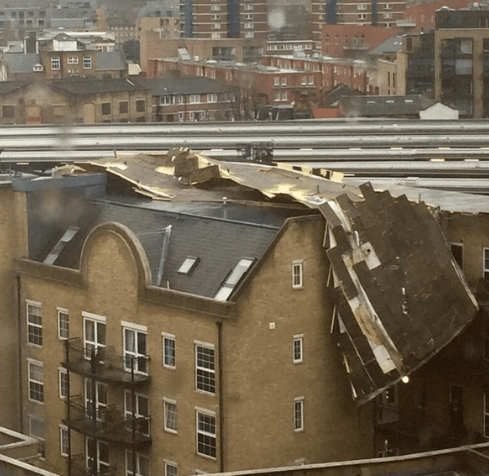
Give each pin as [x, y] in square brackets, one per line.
[236, 50]
[258, 85]
[376, 13]
[191, 99]
[162, 326]
[221, 19]
[461, 42]
[74, 101]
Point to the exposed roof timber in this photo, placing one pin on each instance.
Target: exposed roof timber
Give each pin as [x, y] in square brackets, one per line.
[400, 296]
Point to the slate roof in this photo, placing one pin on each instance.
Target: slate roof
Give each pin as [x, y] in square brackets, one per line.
[218, 243]
[389, 46]
[7, 87]
[110, 61]
[95, 86]
[384, 106]
[163, 86]
[22, 63]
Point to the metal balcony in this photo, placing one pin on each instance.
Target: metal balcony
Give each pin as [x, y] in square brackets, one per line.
[79, 468]
[107, 424]
[105, 365]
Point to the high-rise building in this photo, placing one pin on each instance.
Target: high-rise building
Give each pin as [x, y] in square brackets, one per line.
[218, 19]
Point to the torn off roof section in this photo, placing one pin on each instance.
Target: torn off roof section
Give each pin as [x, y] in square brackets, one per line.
[400, 297]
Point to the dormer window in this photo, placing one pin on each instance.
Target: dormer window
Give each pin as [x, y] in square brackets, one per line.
[38, 68]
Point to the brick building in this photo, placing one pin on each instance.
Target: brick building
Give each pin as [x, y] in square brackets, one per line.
[172, 307]
[145, 334]
[224, 19]
[74, 101]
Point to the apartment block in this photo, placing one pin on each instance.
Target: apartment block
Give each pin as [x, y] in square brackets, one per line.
[219, 19]
[461, 46]
[173, 340]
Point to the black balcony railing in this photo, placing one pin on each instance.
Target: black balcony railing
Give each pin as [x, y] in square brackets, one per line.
[106, 423]
[79, 467]
[105, 365]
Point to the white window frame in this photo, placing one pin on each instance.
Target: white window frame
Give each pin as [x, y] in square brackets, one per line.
[168, 464]
[194, 99]
[298, 349]
[55, 63]
[166, 403]
[205, 377]
[40, 438]
[101, 464]
[87, 62]
[139, 457]
[100, 405]
[34, 381]
[485, 257]
[297, 274]
[63, 324]
[207, 436]
[299, 414]
[64, 440]
[211, 97]
[72, 60]
[170, 338]
[96, 344]
[62, 388]
[138, 414]
[140, 358]
[34, 325]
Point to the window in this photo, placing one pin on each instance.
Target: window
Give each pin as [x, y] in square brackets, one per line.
[166, 100]
[136, 464]
[169, 351]
[36, 430]
[299, 414]
[283, 81]
[63, 383]
[249, 25]
[64, 441]
[96, 399]
[140, 105]
[87, 62]
[34, 323]
[486, 263]
[206, 434]
[233, 279]
[106, 108]
[97, 452]
[170, 415]
[56, 62]
[123, 107]
[63, 325]
[362, 6]
[135, 353]
[297, 349]
[212, 97]
[194, 98]
[276, 81]
[297, 274]
[94, 328]
[249, 34]
[73, 72]
[72, 60]
[36, 381]
[141, 411]
[171, 468]
[205, 368]
[188, 265]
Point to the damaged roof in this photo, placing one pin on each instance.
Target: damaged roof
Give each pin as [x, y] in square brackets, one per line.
[400, 296]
